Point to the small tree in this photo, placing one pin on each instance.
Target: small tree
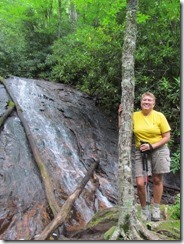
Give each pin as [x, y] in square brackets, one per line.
[129, 227]
[127, 100]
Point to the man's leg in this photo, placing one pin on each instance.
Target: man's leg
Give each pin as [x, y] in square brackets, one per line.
[157, 195]
[157, 188]
[142, 197]
[141, 190]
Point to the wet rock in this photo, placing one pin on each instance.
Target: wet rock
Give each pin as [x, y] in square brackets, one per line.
[102, 221]
[68, 130]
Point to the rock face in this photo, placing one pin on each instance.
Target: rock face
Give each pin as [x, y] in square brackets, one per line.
[69, 131]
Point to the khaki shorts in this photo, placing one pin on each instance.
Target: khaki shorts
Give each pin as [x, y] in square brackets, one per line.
[158, 162]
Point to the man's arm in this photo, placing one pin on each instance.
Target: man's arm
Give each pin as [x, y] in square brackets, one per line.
[165, 138]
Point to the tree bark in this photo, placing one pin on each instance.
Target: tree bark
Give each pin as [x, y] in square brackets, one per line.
[63, 213]
[59, 18]
[44, 174]
[73, 14]
[126, 189]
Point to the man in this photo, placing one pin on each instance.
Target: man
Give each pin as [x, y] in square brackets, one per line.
[151, 127]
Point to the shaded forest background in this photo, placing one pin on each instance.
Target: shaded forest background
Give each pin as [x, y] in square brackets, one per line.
[80, 43]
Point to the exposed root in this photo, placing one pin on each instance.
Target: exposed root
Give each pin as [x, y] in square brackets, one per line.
[136, 231]
[115, 234]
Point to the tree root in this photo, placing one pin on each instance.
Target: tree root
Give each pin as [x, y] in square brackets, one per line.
[136, 230]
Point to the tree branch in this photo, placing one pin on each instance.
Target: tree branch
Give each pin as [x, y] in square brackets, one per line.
[9, 110]
[61, 216]
[44, 174]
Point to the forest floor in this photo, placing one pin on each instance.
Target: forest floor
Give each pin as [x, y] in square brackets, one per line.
[104, 220]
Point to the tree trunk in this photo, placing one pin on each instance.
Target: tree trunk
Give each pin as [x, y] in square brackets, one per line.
[73, 13]
[129, 227]
[63, 213]
[59, 18]
[126, 189]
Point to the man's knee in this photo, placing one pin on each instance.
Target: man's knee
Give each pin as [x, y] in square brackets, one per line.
[140, 182]
[157, 179]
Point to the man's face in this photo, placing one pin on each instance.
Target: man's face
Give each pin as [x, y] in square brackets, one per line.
[147, 103]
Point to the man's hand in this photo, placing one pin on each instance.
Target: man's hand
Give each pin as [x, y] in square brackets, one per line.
[146, 146]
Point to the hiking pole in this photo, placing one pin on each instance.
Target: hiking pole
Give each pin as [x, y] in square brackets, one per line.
[146, 181]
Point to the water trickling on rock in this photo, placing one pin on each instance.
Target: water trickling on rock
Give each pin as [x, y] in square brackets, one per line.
[69, 131]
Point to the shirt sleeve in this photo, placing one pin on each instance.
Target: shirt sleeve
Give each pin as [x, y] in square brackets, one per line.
[164, 125]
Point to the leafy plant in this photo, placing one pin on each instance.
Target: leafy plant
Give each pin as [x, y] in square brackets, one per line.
[174, 210]
[175, 161]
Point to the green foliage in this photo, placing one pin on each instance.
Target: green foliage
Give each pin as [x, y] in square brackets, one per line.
[82, 46]
[158, 48]
[175, 161]
[157, 66]
[100, 13]
[142, 18]
[11, 103]
[174, 210]
[28, 31]
[85, 59]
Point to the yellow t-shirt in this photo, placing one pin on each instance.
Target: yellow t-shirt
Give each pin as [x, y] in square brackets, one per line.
[149, 128]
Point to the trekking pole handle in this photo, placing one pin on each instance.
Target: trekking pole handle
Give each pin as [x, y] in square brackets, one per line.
[150, 146]
[146, 162]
